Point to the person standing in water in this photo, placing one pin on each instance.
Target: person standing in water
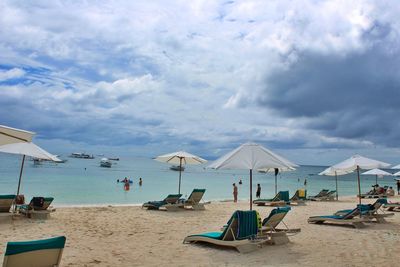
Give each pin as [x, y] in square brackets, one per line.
[258, 192]
[140, 181]
[235, 193]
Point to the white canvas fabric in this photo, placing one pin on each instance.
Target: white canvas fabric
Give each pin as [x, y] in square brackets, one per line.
[28, 149]
[10, 135]
[330, 172]
[174, 158]
[377, 172]
[251, 156]
[360, 161]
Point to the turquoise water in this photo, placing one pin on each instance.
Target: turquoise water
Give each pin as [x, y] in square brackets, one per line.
[71, 184]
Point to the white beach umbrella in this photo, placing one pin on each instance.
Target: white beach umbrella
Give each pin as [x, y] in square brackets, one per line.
[10, 135]
[276, 171]
[251, 156]
[377, 172]
[330, 172]
[27, 149]
[396, 167]
[358, 162]
[396, 174]
[181, 158]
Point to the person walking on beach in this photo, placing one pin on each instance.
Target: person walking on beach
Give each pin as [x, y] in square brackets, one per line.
[235, 192]
[258, 192]
[398, 187]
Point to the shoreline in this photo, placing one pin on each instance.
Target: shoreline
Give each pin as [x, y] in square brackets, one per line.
[345, 198]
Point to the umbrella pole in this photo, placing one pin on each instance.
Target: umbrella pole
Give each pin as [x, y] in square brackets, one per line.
[180, 174]
[276, 184]
[251, 191]
[337, 194]
[359, 187]
[376, 181]
[20, 177]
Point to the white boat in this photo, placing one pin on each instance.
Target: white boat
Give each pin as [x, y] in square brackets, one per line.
[81, 156]
[177, 168]
[105, 162]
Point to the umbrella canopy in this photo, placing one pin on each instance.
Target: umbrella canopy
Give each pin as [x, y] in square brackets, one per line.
[251, 156]
[27, 149]
[377, 172]
[10, 135]
[181, 158]
[358, 162]
[330, 172]
[396, 174]
[396, 167]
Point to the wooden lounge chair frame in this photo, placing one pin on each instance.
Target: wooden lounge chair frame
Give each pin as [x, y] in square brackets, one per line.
[330, 196]
[300, 201]
[194, 200]
[229, 239]
[170, 203]
[347, 219]
[372, 211]
[35, 212]
[276, 201]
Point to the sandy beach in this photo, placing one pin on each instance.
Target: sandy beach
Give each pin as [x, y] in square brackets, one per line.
[131, 236]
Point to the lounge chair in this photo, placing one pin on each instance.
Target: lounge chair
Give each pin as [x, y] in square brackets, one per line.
[194, 199]
[372, 194]
[6, 202]
[240, 233]
[299, 197]
[370, 211]
[330, 196]
[38, 208]
[270, 223]
[322, 193]
[394, 206]
[46, 252]
[281, 199]
[169, 203]
[350, 218]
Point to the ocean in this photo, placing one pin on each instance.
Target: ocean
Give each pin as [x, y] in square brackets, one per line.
[82, 182]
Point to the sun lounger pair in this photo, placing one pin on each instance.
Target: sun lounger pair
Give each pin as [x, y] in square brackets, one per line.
[372, 195]
[349, 218]
[244, 232]
[281, 199]
[173, 202]
[38, 208]
[324, 195]
[45, 252]
[6, 202]
[371, 211]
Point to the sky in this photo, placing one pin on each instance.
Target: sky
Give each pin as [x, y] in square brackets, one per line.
[315, 81]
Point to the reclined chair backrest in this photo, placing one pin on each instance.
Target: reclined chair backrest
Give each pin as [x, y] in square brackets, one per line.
[46, 252]
[172, 198]
[5, 202]
[196, 195]
[378, 204]
[354, 212]
[301, 194]
[275, 217]
[242, 225]
[281, 196]
[322, 193]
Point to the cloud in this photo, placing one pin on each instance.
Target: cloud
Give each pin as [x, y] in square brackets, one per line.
[11, 74]
[202, 76]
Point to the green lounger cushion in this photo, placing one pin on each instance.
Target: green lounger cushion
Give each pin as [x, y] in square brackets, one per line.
[7, 196]
[213, 235]
[26, 246]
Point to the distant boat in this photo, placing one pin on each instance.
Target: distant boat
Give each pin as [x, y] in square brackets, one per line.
[81, 156]
[177, 168]
[113, 158]
[105, 162]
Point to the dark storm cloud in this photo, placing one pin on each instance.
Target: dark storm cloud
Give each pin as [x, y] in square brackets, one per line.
[353, 95]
